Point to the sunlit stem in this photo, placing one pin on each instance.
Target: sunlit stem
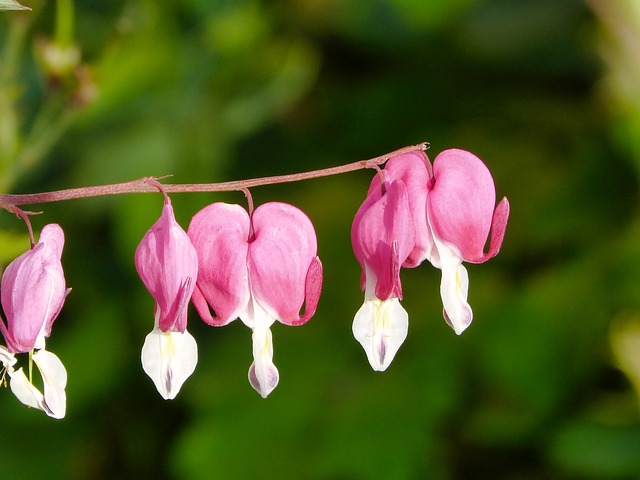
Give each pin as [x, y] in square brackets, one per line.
[143, 186]
[155, 183]
[25, 217]
[249, 198]
[380, 175]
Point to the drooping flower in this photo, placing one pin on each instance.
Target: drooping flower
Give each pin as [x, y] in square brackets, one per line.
[259, 268]
[32, 294]
[168, 266]
[412, 213]
[389, 231]
[461, 211]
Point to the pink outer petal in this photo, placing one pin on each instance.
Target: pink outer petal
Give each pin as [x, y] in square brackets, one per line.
[53, 236]
[498, 228]
[283, 266]
[357, 234]
[33, 291]
[383, 235]
[168, 266]
[414, 170]
[461, 205]
[219, 232]
[312, 289]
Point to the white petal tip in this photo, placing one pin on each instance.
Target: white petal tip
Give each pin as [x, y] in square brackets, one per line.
[453, 290]
[461, 321]
[381, 327]
[269, 381]
[263, 374]
[54, 377]
[169, 358]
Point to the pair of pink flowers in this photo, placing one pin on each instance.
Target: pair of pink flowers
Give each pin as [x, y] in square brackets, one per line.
[260, 267]
[415, 212]
[32, 293]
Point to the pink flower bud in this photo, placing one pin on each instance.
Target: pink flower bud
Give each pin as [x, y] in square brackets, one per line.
[33, 292]
[168, 266]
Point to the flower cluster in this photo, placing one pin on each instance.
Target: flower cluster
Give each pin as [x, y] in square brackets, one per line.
[259, 266]
[262, 266]
[32, 293]
[415, 212]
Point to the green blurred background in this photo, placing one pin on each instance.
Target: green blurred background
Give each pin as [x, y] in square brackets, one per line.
[543, 385]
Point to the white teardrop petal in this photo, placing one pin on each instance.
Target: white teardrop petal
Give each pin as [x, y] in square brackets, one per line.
[169, 358]
[54, 377]
[454, 287]
[263, 374]
[381, 327]
[25, 391]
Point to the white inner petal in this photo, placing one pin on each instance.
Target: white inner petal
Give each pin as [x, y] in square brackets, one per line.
[263, 374]
[381, 327]
[454, 287]
[169, 358]
[453, 290]
[54, 376]
[7, 358]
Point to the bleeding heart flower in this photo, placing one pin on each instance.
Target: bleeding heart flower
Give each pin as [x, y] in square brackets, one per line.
[414, 213]
[168, 266]
[260, 268]
[389, 231]
[32, 294]
[461, 211]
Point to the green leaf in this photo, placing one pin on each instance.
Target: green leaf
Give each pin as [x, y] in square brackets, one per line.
[12, 5]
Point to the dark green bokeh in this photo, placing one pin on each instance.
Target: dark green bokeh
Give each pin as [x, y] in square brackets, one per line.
[220, 90]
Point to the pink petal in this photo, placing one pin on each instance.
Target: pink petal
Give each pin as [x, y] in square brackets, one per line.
[312, 289]
[219, 232]
[33, 291]
[282, 261]
[382, 236]
[498, 228]
[53, 235]
[168, 266]
[461, 204]
[360, 249]
[414, 170]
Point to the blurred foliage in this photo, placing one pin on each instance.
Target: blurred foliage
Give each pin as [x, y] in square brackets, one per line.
[545, 92]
